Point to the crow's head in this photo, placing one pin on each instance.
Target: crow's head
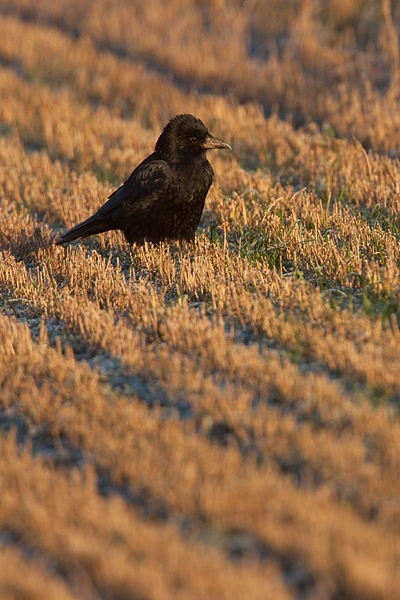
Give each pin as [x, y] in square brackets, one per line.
[186, 136]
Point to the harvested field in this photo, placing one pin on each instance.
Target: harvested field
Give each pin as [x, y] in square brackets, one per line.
[217, 421]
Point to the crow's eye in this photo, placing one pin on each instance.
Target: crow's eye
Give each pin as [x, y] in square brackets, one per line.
[193, 139]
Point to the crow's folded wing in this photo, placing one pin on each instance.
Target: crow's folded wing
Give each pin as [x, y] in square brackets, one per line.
[148, 182]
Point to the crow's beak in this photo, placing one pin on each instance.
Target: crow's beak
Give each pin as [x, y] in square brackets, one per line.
[213, 142]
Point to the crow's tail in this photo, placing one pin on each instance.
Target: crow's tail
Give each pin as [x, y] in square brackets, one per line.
[91, 226]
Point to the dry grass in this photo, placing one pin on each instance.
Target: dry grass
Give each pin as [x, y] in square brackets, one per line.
[219, 421]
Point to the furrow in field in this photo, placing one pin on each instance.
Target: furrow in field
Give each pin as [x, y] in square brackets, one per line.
[144, 450]
[217, 56]
[352, 258]
[231, 391]
[57, 119]
[107, 549]
[47, 56]
[223, 281]
[24, 574]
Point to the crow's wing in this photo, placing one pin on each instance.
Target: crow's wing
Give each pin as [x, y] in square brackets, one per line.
[145, 185]
[133, 206]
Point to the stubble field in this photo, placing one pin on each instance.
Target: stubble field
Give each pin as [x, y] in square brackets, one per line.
[220, 421]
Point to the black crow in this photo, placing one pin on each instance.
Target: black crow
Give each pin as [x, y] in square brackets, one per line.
[164, 196]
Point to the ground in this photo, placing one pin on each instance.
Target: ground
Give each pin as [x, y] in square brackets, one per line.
[218, 420]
